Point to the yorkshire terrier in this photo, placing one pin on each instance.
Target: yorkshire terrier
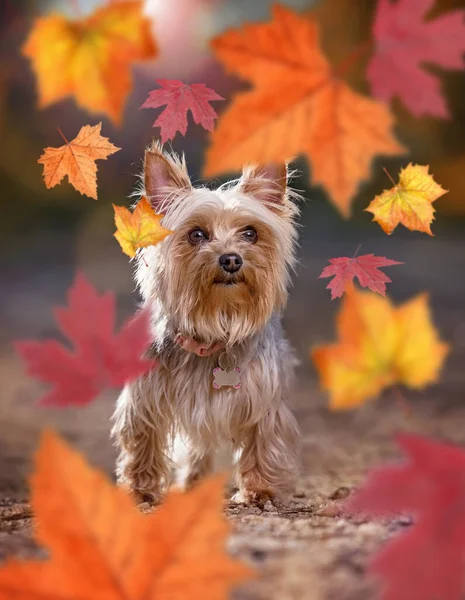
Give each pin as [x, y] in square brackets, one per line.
[215, 288]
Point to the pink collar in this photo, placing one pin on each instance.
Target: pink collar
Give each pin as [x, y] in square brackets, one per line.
[191, 345]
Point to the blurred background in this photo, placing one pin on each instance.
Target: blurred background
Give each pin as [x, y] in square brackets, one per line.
[46, 235]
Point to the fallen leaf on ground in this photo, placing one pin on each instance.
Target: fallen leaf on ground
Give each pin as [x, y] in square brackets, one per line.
[139, 228]
[404, 43]
[429, 487]
[365, 268]
[379, 345]
[179, 98]
[410, 202]
[76, 159]
[90, 58]
[298, 105]
[102, 547]
[100, 358]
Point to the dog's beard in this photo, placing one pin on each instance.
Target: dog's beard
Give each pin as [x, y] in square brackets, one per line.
[212, 305]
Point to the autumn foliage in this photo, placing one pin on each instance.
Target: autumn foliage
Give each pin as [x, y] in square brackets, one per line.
[426, 561]
[90, 58]
[100, 358]
[378, 346]
[101, 547]
[298, 104]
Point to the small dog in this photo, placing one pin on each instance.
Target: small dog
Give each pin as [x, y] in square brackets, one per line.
[215, 288]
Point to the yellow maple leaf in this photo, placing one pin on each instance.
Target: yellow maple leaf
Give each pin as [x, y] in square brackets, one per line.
[138, 229]
[90, 58]
[102, 547]
[76, 159]
[410, 202]
[298, 105]
[379, 345]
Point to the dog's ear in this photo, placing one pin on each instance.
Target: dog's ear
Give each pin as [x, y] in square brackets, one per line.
[164, 174]
[267, 183]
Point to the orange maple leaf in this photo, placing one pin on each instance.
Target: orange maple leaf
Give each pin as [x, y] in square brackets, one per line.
[409, 202]
[379, 345]
[298, 105]
[138, 229]
[102, 547]
[77, 160]
[90, 58]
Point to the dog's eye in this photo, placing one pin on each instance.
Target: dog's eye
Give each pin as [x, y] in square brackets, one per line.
[197, 235]
[250, 235]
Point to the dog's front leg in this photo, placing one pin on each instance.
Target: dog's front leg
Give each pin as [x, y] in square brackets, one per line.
[141, 432]
[268, 461]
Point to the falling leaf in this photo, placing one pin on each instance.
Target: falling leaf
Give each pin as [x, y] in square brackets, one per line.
[76, 159]
[365, 268]
[90, 58]
[379, 345]
[410, 202]
[101, 357]
[179, 98]
[404, 42]
[430, 487]
[138, 229]
[298, 105]
[101, 547]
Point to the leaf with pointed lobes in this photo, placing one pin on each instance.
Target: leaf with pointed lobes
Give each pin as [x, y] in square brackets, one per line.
[179, 98]
[101, 546]
[138, 229]
[409, 202]
[405, 41]
[298, 105]
[90, 58]
[365, 268]
[100, 357]
[379, 345]
[76, 159]
[425, 561]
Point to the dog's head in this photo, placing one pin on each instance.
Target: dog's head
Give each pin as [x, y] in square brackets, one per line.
[225, 269]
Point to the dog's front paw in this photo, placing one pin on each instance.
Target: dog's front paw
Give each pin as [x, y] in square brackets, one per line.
[253, 497]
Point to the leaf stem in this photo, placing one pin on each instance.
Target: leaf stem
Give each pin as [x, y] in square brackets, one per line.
[356, 251]
[390, 177]
[344, 67]
[62, 135]
[402, 402]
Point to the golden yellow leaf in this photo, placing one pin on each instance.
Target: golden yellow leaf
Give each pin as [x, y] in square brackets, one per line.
[102, 547]
[410, 202]
[76, 159]
[379, 345]
[298, 105]
[90, 58]
[138, 229]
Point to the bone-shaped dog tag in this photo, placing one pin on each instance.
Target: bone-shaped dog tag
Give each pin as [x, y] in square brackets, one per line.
[226, 376]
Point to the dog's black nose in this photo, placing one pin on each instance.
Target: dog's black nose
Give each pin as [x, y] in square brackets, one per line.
[230, 262]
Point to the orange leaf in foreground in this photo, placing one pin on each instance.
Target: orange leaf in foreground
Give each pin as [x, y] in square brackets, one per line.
[77, 160]
[102, 547]
[379, 345]
[298, 105]
[90, 58]
[139, 228]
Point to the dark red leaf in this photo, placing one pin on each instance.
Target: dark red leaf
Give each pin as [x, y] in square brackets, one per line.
[179, 98]
[100, 358]
[426, 561]
[365, 268]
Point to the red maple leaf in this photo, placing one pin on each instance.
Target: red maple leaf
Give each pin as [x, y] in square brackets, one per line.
[365, 268]
[179, 98]
[100, 358]
[404, 41]
[426, 562]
